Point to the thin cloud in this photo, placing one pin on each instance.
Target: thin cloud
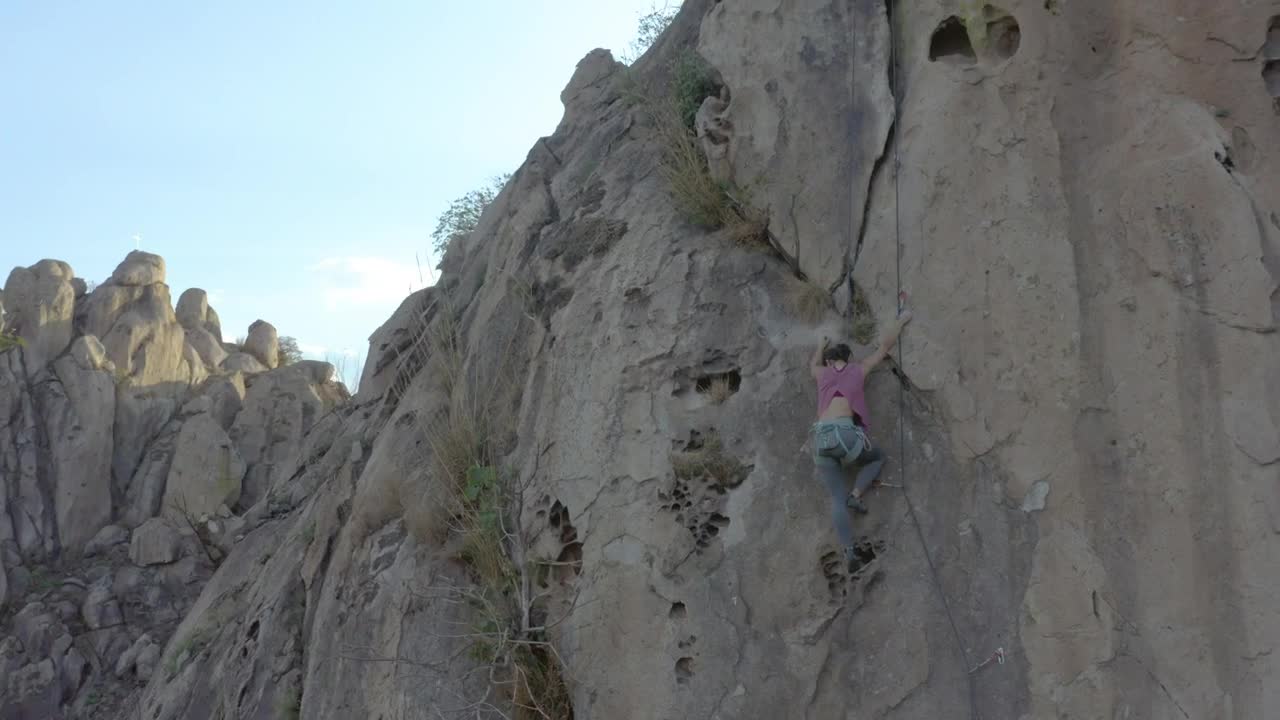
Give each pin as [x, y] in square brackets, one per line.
[362, 280]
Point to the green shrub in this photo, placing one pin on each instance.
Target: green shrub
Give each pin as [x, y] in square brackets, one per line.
[651, 26]
[8, 341]
[463, 214]
[692, 82]
[288, 352]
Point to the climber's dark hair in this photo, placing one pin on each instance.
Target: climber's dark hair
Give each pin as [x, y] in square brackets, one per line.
[836, 353]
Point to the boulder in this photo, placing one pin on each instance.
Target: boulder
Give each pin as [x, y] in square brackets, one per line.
[206, 470]
[154, 542]
[39, 307]
[140, 659]
[206, 346]
[139, 268]
[36, 627]
[226, 395]
[193, 308]
[146, 342]
[106, 538]
[243, 362]
[263, 343]
[213, 324]
[195, 313]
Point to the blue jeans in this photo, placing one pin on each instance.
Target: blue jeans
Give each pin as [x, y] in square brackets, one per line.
[835, 442]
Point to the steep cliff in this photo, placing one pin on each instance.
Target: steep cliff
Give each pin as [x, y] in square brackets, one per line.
[577, 471]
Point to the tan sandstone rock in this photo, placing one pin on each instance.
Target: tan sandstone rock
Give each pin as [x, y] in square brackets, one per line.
[39, 307]
[206, 469]
[263, 343]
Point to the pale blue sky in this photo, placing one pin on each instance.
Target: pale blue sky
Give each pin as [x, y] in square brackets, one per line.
[290, 157]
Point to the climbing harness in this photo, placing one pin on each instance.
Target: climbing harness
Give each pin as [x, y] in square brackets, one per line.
[827, 437]
[895, 88]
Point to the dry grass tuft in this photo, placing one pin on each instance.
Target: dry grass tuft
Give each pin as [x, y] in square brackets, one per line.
[699, 198]
[808, 302]
[752, 231]
[862, 322]
[541, 692]
[709, 462]
[471, 501]
[721, 390]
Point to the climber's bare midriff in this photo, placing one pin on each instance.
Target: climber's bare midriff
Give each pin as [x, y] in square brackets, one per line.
[839, 408]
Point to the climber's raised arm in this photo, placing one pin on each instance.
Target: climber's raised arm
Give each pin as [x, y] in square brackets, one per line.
[886, 343]
[815, 362]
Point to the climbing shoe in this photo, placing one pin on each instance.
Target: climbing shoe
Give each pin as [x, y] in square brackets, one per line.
[855, 503]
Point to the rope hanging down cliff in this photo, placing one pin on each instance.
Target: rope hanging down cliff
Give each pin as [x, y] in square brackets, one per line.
[895, 91]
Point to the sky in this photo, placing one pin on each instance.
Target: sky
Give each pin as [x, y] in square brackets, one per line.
[289, 157]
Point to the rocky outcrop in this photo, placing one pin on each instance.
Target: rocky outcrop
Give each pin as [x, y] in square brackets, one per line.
[263, 343]
[39, 305]
[116, 477]
[280, 407]
[1084, 473]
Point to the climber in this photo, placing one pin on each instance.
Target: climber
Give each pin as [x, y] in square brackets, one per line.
[840, 435]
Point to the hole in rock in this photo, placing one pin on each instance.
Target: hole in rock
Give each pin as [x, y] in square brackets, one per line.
[684, 670]
[1271, 50]
[726, 383]
[1271, 76]
[1004, 35]
[678, 611]
[865, 552]
[950, 43]
[571, 559]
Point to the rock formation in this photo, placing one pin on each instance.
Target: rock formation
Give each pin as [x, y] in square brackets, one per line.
[118, 476]
[1080, 200]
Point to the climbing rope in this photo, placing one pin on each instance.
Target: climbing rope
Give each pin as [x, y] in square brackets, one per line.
[894, 89]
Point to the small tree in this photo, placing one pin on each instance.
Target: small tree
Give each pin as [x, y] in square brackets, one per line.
[463, 214]
[288, 352]
[651, 26]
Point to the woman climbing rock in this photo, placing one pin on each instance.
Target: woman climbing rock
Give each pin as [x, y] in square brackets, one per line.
[840, 435]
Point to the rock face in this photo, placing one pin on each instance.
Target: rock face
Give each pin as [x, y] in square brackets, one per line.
[78, 405]
[1087, 424]
[110, 419]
